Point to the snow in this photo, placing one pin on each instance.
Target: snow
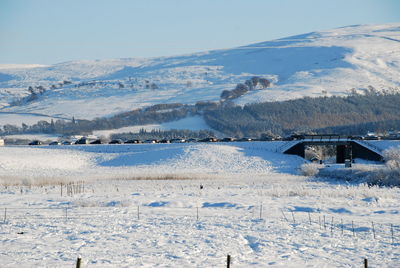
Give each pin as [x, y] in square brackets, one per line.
[31, 137]
[193, 123]
[28, 119]
[315, 64]
[252, 204]
[20, 66]
[385, 144]
[137, 161]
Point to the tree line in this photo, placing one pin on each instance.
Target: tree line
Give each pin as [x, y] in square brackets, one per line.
[353, 115]
[151, 115]
[164, 134]
[254, 83]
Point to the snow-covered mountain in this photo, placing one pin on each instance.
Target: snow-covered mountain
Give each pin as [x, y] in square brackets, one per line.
[314, 64]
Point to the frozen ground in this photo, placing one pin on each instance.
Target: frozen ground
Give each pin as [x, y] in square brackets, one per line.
[241, 199]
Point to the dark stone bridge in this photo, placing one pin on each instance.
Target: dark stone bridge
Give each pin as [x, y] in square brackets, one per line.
[346, 147]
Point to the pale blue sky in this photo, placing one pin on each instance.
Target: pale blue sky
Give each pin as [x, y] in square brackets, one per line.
[52, 31]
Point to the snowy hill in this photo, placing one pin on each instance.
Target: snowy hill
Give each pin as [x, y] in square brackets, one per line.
[314, 64]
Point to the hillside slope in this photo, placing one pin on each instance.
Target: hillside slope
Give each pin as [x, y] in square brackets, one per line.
[314, 64]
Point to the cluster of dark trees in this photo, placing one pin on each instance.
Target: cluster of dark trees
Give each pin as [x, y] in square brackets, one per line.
[34, 93]
[150, 85]
[164, 134]
[165, 107]
[147, 84]
[242, 88]
[354, 114]
[362, 128]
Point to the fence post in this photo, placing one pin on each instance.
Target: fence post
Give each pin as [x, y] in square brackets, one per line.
[5, 215]
[309, 217]
[78, 263]
[284, 216]
[341, 221]
[228, 261]
[138, 217]
[392, 231]
[373, 230]
[319, 221]
[197, 213]
[365, 263]
[61, 186]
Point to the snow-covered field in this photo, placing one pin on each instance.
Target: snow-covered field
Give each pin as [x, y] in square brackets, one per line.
[187, 205]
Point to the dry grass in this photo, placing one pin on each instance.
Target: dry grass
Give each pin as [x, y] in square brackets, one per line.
[309, 169]
[54, 180]
[33, 181]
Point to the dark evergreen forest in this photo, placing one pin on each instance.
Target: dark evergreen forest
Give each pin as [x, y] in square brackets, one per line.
[353, 115]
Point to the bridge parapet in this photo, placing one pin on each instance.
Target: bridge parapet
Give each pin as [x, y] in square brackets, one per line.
[326, 138]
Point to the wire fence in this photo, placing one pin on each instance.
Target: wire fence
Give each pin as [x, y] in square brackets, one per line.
[328, 224]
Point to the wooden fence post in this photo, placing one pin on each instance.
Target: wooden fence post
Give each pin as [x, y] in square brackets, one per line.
[5, 215]
[392, 231]
[341, 225]
[365, 263]
[319, 222]
[373, 230]
[78, 263]
[228, 261]
[284, 216]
